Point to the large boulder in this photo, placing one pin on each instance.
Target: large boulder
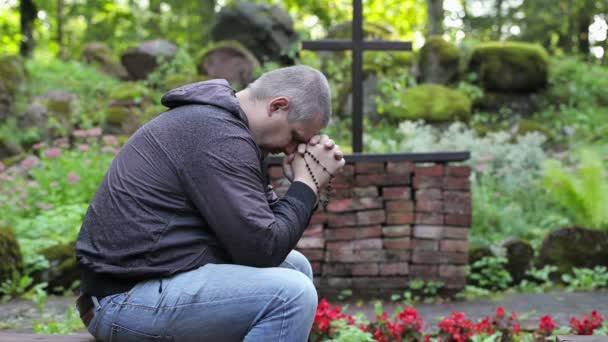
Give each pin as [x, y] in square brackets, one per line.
[142, 60]
[510, 66]
[572, 247]
[99, 54]
[10, 254]
[228, 60]
[127, 102]
[523, 104]
[439, 61]
[57, 104]
[429, 102]
[12, 76]
[63, 268]
[520, 255]
[266, 30]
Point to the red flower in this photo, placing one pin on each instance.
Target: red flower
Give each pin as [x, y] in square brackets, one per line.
[546, 326]
[586, 325]
[500, 312]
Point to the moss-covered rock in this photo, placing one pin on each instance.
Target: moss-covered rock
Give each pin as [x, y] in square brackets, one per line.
[525, 126]
[572, 247]
[130, 91]
[12, 73]
[439, 60]
[63, 268]
[142, 60]
[477, 253]
[522, 104]
[127, 102]
[430, 102]
[99, 53]
[10, 254]
[510, 66]
[229, 60]
[520, 256]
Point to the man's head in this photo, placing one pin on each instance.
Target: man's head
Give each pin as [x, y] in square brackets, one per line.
[286, 106]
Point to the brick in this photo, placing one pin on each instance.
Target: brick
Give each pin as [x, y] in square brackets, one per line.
[313, 254]
[353, 204]
[400, 243]
[454, 258]
[353, 233]
[311, 242]
[365, 191]
[352, 256]
[429, 206]
[458, 171]
[336, 269]
[458, 233]
[425, 257]
[425, 245]
[397, 192]
[453, 271]
[457, 202]
[370, 217]
[342, 220]
[423, 271]
[454, 246]
[456, 183]
[426, 182]
[369, 167]
[374, 243]
[314, 230]
[458, 220]
[347, 170]
[379, 282]
[454, 283]
[400, 168]
[429, 218]
[336, 282]
[397, 231]
[394, 268]
[275, 172]
[382, 179]
[428, 232]
[316, 268]
[369, 269]
[436, 170]
[400, 218]
[429, 194]
[394, 255]
[318, 217]
[399, 206]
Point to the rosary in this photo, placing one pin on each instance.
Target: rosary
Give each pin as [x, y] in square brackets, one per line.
[324, 201]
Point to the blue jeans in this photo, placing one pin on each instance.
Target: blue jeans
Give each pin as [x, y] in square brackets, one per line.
[216, 302]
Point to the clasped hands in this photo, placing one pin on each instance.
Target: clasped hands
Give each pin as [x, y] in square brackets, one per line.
[320, 157]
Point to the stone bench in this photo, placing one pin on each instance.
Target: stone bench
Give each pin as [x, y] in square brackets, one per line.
[18, 337]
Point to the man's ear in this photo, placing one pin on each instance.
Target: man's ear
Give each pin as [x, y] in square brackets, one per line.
[280, 103]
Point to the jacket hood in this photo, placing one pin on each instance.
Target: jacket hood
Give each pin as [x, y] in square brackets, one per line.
[213, 92]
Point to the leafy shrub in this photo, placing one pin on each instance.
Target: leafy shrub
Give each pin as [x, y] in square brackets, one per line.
[586, 279]
[574, 83]
[490, 273]
[584, 191]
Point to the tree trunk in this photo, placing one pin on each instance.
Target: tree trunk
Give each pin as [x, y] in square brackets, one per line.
[29, 12]
[62, 52]
[499, 20]
[435, 17]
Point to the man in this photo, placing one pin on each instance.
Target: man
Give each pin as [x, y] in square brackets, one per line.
[185, 241]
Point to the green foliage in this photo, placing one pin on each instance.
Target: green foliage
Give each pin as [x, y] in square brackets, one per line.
[430, 102]
[583, 192]
[163, 77]
[10, 254]
[574, 83]
[12, 73]
[344, 332]
[51, 323]
[586, 279]
[510, 66]
[9, 26]
[490, 273]
[15, 286]
[538, 280]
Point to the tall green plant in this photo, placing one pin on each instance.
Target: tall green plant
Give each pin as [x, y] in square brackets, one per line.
[583, 190]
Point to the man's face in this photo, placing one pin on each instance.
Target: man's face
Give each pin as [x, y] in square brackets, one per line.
[280, 135]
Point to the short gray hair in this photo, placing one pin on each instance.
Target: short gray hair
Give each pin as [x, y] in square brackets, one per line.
[307, 89]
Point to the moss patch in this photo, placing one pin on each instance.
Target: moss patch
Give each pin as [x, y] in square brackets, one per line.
[10, 254]
[510, 66]
[432, 103]
[12, 73]
[63, 270]
[439, 60]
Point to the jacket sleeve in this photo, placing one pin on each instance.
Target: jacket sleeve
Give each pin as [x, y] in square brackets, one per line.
[226, 185]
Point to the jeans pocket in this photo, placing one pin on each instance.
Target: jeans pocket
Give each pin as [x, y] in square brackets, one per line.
[120, 334]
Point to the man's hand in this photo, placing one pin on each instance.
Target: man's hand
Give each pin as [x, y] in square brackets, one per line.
[329, 145]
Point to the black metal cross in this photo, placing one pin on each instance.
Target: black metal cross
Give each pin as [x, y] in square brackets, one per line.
[357, 45]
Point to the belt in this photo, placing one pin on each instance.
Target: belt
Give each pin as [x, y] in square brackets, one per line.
[86, 308]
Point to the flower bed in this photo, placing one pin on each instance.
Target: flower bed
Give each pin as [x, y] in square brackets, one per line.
[331, 324]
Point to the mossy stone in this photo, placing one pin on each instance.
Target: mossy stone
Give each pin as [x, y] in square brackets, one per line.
[439, 60]
[229, 60]
[10, 254]
[131, 91]
[572, 247]
[100, 54]
[63, 268]
[520, 256]
[477, 253]
[12, 73]
[432, 103]
[526, 126]
[510, 66]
